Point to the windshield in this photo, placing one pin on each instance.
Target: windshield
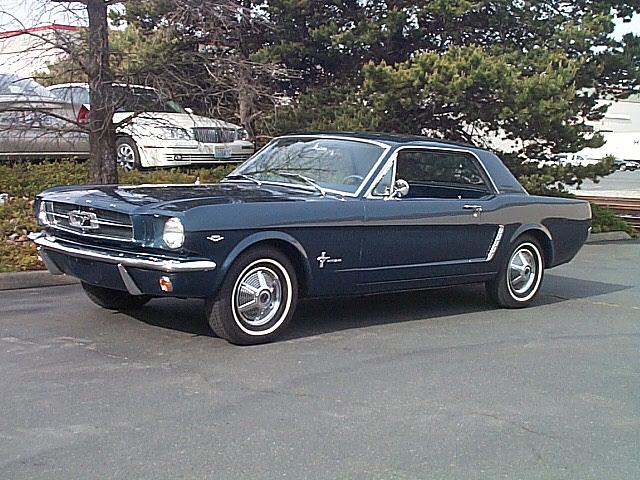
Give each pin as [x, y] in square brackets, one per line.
[133, 99]
[330, 163]
[15, 85]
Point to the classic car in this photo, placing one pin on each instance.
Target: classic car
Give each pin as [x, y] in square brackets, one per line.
[157, 132]
[34, 123]
[312, 215]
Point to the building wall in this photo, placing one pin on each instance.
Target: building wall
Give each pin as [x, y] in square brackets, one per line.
[25, 52]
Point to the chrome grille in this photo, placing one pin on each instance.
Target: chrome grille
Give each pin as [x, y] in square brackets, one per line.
[214, 135]
[85, 220]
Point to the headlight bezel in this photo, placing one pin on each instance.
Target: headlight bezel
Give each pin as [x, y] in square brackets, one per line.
[42, 215]
[171, 133]
[173, 234]
[242, 134]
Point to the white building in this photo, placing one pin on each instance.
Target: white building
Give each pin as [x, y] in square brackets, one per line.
[620, 128]
[25, 52]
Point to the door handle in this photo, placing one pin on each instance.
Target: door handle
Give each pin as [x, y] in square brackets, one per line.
[477, 209]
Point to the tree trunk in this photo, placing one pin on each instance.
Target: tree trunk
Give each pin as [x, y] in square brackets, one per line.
[246, 102]
[102, 134]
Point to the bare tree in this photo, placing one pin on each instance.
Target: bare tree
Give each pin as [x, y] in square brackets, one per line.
[102, 132]
[92, 57]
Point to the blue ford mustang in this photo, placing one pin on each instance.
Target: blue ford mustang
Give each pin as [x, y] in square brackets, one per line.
[312, 215]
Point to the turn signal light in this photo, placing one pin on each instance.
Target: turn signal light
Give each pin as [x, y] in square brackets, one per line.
[166, 285]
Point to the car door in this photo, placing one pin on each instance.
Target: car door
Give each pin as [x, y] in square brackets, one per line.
[444, 227]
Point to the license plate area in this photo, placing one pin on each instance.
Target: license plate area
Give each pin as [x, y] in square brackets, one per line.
[222, 151]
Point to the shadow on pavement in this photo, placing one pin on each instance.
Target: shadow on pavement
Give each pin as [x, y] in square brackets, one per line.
[318, 316]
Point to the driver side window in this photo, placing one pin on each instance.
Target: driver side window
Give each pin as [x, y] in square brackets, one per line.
[441, 174]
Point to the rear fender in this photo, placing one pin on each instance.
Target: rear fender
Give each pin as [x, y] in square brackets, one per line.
[538, 231]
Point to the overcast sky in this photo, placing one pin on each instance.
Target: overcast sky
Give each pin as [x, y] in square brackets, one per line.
[16, 14]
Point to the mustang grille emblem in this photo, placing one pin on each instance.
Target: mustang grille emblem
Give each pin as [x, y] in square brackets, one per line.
[324, 258]
[83, 220]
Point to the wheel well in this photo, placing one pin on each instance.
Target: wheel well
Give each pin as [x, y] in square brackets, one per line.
[294, 255]
[545, 243]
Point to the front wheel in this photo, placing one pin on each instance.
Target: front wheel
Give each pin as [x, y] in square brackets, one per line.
[127, 154]
[257, 298]
[519, 279]
[113, 299]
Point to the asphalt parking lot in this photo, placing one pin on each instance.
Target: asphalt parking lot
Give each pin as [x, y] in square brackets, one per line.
[433, 384]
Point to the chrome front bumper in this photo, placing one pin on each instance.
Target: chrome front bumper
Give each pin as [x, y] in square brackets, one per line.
[47, 243]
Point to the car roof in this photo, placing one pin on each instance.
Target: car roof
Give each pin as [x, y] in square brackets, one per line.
[391, 138]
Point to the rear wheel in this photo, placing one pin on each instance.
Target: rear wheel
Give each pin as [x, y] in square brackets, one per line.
[519, 279]
[257, 299]
[127, 154]
[114, 299]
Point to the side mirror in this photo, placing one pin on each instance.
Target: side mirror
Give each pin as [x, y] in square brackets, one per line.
[189, 110]
[400, 188]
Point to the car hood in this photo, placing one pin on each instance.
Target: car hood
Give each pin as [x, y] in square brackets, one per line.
[184, 120]
[170, 199]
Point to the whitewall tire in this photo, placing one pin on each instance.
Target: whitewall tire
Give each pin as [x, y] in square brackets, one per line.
[520, 277]
[257, 299]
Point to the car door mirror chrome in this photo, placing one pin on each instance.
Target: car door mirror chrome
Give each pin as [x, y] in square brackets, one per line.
[400, 189]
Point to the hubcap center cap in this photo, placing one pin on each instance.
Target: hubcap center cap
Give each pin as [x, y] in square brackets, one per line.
[264, 297]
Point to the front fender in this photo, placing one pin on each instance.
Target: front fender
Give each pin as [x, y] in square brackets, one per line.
[267, 236]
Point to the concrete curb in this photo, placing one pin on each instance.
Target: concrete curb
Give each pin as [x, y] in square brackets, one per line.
[33, 279]
[608, 237]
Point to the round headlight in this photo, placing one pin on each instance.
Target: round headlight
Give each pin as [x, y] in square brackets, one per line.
[173, 234]
[42, 214]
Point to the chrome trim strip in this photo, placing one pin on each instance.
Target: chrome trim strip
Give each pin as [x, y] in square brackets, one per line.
[416, 265]
[392, 160]
[129, 283]
[496, 242]
[163, 265]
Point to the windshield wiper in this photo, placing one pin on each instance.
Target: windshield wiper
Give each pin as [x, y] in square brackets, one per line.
[306, 180]
[242, 176]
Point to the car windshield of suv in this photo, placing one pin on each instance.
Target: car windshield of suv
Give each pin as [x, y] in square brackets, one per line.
[14, 85]
[144, 100]
[328, 163]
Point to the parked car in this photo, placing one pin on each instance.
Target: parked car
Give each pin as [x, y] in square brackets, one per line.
[623, 165]
[573, 159]
[312, 215]
[160, 133]
[36, 124]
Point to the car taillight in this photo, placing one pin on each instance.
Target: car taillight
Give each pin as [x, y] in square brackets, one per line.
[83, 115]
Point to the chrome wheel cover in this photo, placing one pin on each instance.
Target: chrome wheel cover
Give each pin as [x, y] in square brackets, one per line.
[126, 157]
[522, 274]
[257, 296]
